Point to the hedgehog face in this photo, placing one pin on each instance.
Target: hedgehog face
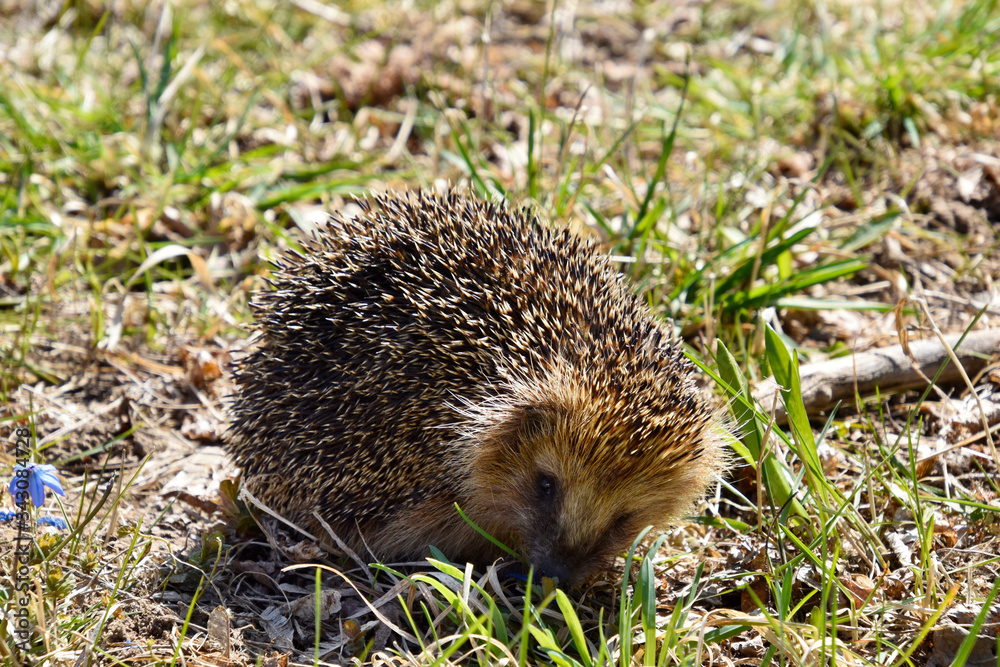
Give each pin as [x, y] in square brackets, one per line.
[572, 494]
[569, 526]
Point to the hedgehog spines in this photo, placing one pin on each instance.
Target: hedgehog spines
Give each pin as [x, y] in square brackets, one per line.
[438, 349]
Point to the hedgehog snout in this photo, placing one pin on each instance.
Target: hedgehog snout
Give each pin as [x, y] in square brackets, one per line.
[549, 556]
[570, 568]
[552, 556]
[554, 569]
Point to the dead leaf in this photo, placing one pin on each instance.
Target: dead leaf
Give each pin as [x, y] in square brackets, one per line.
[219, 629]
[304, 609]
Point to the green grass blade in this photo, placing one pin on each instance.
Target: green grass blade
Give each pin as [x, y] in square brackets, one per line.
[575, 628]
[777, 480]
[785, 367]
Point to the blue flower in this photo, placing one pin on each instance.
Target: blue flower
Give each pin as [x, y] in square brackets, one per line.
[39, 476]
[54, 521]
[6, 516]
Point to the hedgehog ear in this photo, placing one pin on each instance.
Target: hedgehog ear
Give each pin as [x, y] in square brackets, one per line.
[531, 422]
[517, 425]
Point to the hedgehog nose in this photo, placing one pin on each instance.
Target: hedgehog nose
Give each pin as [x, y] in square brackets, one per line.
[557, 570]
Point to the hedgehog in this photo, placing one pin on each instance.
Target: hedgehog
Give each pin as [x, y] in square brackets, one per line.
[438, 350]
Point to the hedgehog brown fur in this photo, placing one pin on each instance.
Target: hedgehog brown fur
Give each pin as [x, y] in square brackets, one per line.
[439, 349]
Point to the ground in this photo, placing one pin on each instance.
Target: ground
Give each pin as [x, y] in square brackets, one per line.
[822, 178]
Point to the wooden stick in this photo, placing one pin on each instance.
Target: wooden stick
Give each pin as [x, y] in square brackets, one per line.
[888, 368]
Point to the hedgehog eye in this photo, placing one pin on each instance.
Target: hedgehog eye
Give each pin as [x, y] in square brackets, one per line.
[547, 487]
[621, 523]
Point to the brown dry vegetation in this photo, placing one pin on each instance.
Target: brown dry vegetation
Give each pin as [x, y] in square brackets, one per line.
[154, 157]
